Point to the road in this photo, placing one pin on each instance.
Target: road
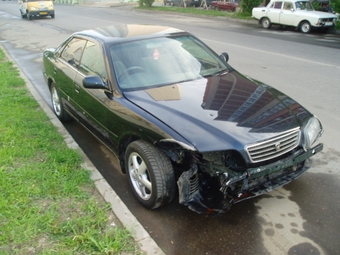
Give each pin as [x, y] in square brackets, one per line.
[300, 218]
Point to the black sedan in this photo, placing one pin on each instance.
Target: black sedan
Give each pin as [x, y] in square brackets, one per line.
[179, 117]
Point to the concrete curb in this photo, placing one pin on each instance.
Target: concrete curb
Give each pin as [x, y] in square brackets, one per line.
[140, 235]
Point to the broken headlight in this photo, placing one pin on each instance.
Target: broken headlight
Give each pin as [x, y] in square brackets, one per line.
[222, 161]
[311, 132]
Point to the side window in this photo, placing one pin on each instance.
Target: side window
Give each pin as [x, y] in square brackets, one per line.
[288, 6]
[92, 62]
[277, 5]
[72, 51]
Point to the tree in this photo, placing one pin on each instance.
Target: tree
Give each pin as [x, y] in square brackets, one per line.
[248, 5]
[335, 5]
[147, 3]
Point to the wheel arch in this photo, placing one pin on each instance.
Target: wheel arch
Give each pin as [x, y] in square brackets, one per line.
[264, 17]
[175, 150]
[304, 20]
[123, 144]
[49, 80]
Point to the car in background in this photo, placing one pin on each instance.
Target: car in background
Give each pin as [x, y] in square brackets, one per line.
[227, 5]
[179, 117]
[322, 5]
[36, 8]
[295, 13]
[189, 3]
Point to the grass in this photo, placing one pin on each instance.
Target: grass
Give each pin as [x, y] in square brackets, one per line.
[198, 11]
[48, 203]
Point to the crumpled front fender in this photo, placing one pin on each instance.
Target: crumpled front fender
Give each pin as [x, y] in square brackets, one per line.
[200, 194]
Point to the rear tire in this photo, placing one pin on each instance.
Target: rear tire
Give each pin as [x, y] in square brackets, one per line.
[57, 105]
[151, 175]
[265, 22]
[23, 15]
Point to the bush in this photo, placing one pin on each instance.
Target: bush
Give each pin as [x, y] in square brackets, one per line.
[336, 5]
[147, 3]
[248, 5]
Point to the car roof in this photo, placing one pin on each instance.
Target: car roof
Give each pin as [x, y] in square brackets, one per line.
[129, 32]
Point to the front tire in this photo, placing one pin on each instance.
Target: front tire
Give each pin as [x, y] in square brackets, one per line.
[58, 107]
[151, 174]
[305, 27]
[23, 15]
[29, 16]
[265, 22]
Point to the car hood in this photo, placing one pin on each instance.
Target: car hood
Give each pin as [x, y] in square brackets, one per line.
[317, 14]
[221, 112]
[309, 13]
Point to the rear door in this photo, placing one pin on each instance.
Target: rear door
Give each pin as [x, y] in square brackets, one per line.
[65, 69]
[274, 11]
[91, 103]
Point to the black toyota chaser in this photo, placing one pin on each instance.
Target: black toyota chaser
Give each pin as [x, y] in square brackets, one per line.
[179, 117]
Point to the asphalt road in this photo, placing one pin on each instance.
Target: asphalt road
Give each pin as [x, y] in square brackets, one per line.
[300, 218]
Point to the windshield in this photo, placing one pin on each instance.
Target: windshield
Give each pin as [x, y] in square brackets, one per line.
[304, 5]
[162, 61]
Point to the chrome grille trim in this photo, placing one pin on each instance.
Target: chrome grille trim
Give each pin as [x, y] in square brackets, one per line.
[274, 147]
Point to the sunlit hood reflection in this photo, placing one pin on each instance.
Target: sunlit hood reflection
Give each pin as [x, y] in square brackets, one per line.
[215, 112]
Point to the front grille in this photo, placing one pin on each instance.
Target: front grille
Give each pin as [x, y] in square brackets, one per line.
[327, 20]
[274, 147]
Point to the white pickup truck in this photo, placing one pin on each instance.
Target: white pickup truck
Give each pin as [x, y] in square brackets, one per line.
[299, 14]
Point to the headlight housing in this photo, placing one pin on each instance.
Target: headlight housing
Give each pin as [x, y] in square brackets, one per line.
[311, 132]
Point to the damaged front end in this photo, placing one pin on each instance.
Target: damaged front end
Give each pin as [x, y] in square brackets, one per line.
[216, 180]
[208, 188]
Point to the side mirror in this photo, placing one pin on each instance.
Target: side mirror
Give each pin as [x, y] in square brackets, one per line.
[94, 82]
[224, 56]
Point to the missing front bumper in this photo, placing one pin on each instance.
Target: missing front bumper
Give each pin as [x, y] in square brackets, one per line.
[205, 195]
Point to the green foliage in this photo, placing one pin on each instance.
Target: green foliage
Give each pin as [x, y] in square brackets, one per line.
[197, 11]
[336, 5]
[147, 3]
[248, 5]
